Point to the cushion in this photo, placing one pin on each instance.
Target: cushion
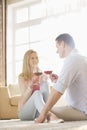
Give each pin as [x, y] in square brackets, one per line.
[14, 100]
[13, 90]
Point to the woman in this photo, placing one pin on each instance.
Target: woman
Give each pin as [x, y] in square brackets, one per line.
[34, 88]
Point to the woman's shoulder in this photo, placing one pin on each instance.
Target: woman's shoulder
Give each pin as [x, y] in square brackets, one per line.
[21, 78]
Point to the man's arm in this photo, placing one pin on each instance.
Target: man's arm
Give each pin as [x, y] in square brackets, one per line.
[52, 99]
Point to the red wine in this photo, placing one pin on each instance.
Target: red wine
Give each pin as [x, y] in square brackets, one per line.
[38, 73]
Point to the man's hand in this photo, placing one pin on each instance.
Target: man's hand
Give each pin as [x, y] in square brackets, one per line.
[54, 77]
[52, 99]
[41, 118]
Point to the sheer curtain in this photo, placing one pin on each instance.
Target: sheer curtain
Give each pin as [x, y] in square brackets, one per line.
[36, 25]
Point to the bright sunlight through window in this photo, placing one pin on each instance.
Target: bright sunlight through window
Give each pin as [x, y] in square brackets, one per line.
[35, 25]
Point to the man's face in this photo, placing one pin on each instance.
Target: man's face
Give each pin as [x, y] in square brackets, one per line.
[60, 49]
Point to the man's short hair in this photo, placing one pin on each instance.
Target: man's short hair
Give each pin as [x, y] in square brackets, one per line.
[67, 38]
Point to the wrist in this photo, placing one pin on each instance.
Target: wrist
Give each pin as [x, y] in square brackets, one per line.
[44, 112]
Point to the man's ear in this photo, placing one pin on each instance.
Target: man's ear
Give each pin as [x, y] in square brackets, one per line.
[63, 44]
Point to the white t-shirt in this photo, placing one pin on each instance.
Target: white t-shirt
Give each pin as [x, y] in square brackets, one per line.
[73, 79]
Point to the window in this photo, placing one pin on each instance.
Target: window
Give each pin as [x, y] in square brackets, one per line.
[36, 24]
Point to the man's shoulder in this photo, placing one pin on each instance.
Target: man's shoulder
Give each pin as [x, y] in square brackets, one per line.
[75, 59]
[78, 60]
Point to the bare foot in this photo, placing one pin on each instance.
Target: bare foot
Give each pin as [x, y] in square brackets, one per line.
[52, 118]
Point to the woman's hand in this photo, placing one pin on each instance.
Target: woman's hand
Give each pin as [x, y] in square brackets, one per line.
[35, 79]
[33, 84]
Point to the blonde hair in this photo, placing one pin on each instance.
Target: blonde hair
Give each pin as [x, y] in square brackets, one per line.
[26, 69]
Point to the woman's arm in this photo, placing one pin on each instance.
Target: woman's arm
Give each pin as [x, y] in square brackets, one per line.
[26, 91]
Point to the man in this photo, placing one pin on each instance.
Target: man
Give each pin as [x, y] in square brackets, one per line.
[73, 79]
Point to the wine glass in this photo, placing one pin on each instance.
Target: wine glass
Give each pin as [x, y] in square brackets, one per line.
[48, 72]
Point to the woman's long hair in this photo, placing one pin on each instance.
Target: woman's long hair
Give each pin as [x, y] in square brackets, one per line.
[26, 69]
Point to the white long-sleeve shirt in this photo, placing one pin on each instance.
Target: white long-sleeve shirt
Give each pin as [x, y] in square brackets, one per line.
[73, 79]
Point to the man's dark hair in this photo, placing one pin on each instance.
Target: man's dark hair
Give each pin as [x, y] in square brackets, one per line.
[67, 38]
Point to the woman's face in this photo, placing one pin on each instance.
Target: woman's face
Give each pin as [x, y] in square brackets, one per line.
[33, 61]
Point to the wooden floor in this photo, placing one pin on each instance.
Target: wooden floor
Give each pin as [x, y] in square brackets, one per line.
[16, 124]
